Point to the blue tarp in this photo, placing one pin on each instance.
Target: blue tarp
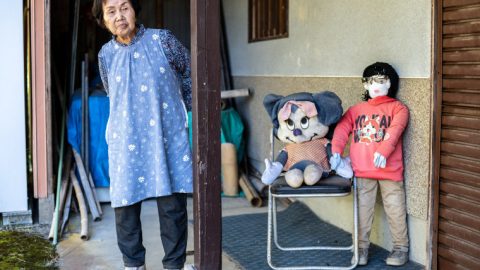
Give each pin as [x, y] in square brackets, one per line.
[98, 105]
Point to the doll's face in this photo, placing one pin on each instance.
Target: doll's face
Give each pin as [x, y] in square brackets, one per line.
[300, 128]
[377, 85]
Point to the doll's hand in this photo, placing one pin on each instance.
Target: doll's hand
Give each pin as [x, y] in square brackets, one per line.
[379, 161]
[344, 169]
[335, 160]
[272, 171]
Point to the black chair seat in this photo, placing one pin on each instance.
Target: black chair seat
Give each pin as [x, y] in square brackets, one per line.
[331, 184]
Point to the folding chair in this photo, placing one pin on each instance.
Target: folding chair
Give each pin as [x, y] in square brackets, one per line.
[332, 186]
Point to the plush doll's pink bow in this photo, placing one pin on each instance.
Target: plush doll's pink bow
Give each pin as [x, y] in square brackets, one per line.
[306, 106]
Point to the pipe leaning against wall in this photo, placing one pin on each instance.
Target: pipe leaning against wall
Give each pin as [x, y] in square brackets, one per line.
[66, 209]
[81, 205]
[63, 191]
[250, 192]
[92, 203]
[63, 196]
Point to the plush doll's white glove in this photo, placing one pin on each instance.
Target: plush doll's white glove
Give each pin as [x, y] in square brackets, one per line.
[344, 169]
[335, 160]
[341, 165]
[272, 171]
[379, 161]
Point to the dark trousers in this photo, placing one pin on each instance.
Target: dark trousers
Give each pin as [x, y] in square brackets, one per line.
[172, 212]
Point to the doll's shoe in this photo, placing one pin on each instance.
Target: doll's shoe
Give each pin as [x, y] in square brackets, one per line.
[397, 258]
[362, 256]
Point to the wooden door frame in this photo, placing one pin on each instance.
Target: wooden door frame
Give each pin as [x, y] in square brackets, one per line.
[41, 109]
[205, 46]
[40, 100]
[437, 124]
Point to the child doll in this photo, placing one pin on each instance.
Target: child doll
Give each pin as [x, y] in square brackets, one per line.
[377, 126]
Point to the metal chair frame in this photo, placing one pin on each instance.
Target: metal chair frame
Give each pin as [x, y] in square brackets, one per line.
[272, 226]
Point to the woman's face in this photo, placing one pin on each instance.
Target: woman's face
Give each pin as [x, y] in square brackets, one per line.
[119, 18]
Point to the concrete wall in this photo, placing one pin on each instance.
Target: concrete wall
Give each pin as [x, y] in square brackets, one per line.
[329, 45]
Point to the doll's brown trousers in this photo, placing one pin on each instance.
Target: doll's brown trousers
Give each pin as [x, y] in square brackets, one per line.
[393, 198]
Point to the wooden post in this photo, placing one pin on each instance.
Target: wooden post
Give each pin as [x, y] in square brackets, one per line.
[437, 124]
[41, 109]
[205, 44]
[39, 101]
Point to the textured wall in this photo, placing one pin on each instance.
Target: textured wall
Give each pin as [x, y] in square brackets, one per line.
[417, 95]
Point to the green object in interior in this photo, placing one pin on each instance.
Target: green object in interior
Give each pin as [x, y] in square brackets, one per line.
[231, 131]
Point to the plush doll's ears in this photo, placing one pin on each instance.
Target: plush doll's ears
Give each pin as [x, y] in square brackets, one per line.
[271, 102]
[329, 107]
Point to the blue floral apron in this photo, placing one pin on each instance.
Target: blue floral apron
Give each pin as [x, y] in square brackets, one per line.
[147, 136]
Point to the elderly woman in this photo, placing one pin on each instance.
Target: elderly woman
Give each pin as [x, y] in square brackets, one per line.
[146, 73]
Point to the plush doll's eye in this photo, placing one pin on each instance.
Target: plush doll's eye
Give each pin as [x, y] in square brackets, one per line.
[304, 122]
[290, 124]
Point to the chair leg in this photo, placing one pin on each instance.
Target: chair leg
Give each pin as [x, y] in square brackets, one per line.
[274, 223]
[355, 222]
[269, 229]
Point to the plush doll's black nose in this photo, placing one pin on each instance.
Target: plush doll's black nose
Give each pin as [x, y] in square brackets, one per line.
[297, 132]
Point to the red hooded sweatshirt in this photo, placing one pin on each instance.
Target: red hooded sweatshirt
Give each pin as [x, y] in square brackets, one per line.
[377, 126]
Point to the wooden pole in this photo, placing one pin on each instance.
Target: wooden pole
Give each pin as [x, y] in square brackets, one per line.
[88, 189]
[205, 36]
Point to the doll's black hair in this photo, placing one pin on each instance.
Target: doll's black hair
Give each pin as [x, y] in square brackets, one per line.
[380, 68]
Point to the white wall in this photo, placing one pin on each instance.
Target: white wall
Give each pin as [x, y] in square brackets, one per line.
[13, 171]
[335, 38]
